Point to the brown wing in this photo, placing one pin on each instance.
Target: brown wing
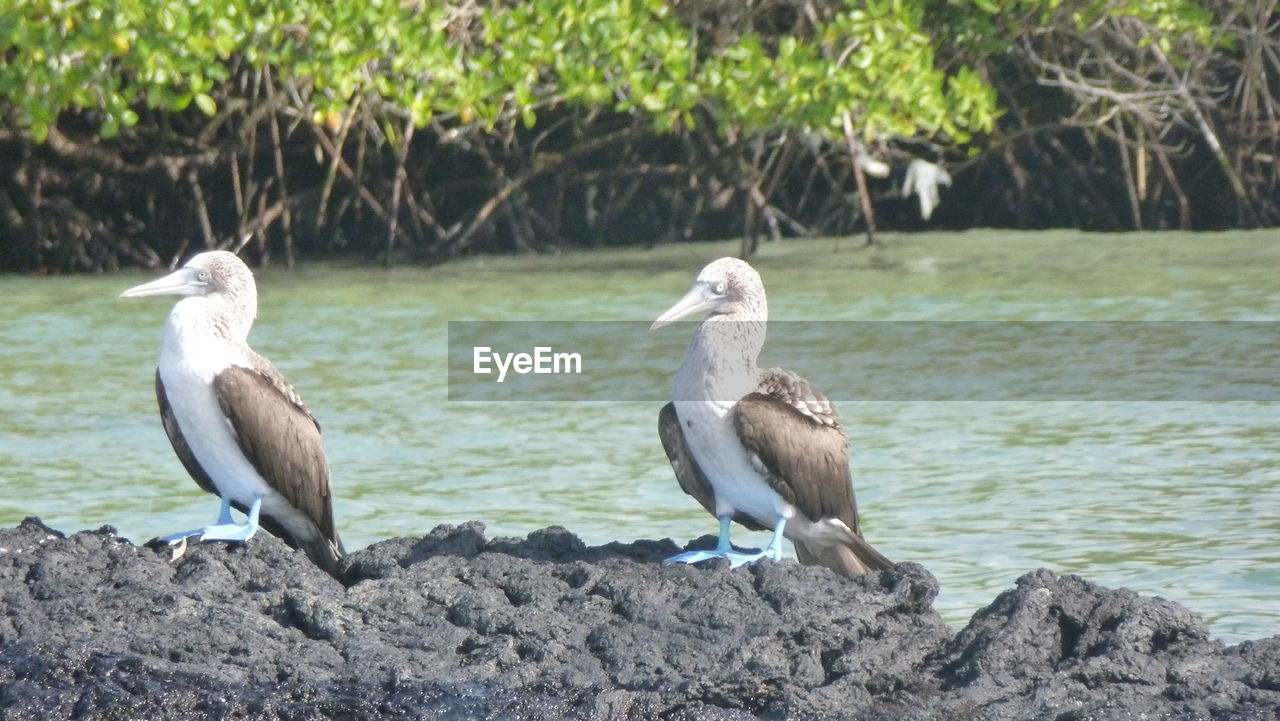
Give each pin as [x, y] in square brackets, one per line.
[268, 371]
[689, 474]
[804, 454]
[793, 434]
[784, 385]
[280, 438]
[179, 443]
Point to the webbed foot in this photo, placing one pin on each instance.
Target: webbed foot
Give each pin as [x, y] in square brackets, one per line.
[725, 550]
[224, 529]
[735, 558]
[228, 532]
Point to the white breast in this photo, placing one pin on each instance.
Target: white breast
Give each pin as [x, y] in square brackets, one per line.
[190, 358]
[708, 429]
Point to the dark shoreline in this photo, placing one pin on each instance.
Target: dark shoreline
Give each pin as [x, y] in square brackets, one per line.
[456, 626]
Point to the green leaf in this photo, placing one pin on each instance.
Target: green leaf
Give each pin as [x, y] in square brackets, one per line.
[206, 104]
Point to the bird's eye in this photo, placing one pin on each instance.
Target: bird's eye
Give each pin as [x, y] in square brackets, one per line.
[202, 276]
[719, 288]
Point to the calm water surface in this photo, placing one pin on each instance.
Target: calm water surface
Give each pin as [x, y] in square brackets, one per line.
[1178, 499]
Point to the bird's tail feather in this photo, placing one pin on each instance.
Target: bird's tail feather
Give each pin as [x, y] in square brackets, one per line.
[324, 553]
[852, 558]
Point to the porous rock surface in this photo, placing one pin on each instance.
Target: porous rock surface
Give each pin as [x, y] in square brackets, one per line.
[453, 625]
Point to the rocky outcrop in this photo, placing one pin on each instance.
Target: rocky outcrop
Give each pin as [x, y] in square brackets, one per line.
[454, 625]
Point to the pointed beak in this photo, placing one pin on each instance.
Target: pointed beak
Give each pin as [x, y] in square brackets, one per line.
[697, 301]
[180, 282]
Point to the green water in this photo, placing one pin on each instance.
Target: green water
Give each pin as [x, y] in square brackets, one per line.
[1178, 499]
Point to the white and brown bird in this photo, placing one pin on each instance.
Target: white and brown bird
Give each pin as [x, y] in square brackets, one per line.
[237, 425]
[760, 447]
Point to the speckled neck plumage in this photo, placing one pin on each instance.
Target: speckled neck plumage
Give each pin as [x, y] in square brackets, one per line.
[720, 362]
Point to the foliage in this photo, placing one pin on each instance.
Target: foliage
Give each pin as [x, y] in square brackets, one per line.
[438, 121]
[492, 64]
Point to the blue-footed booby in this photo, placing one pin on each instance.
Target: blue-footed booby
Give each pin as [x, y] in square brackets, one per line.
[760, 447]
[237, 425]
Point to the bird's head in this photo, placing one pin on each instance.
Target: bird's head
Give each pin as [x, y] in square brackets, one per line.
[214, 272]
[725, 286]
[216, 285]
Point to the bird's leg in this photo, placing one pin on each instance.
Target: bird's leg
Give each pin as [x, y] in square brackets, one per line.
[773, 550]
[775, 544]
[722, 549]
[224, 512]
[226, 530]
[722, 543]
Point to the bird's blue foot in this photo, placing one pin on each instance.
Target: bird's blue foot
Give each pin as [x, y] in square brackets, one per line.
[174, 539]
[738, 558]
[696, 556]
[725, 550]
[224, 530]
[735, 558]
[228, 532]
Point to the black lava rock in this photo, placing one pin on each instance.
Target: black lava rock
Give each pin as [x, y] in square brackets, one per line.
[457, 626]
